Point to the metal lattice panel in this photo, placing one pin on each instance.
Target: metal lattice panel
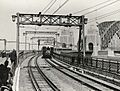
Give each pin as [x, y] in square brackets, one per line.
[56, 20]
[44, 38]
[40, 32]
[108, 34]
[103, 26]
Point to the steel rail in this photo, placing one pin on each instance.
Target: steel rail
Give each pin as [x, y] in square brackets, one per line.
[51, 84]
[31, 75]
[95, 88]
[105, 85]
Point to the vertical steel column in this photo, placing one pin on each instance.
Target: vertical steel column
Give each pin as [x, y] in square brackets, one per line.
[79, 40]
[32, 44]
[25, 34]
[17, 38]
[83, 28]
[29, 46]
[38, 44]
[54, 42]
[25, 41]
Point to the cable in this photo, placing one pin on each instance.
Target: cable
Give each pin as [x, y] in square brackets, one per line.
[92, 7]
[50, 6]
[60, 6]
[105, 15]
[47, 5]
[102, 7]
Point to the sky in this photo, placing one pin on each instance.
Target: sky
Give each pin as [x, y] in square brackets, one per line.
[11, 7]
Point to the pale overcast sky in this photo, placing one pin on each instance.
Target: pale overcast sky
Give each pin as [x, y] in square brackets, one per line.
[10, 7]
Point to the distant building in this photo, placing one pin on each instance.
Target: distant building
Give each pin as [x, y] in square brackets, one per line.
[92, 40]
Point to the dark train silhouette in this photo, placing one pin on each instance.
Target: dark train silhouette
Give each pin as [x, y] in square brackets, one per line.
[47, 52]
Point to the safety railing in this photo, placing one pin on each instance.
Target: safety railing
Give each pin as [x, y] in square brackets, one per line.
[105, 67]
[23, 55]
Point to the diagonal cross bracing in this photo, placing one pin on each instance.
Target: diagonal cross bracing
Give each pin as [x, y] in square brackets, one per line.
[55, 20]
[108, 34]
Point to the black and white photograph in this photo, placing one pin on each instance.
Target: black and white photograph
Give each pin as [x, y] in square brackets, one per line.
[59, 45]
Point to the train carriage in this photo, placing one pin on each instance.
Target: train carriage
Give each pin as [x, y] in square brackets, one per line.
[46, 53]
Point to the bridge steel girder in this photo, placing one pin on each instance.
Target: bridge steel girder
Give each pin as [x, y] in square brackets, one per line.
[43, 38]
[37, 32]
[107, 35]
[54, 20]
[40, 32]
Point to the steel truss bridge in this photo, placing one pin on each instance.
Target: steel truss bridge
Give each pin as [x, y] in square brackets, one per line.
[107, 31]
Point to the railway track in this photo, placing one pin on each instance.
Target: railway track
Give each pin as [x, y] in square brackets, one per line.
[85, 80]
[39, 80]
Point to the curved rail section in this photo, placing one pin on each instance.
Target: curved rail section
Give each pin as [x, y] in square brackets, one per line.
[69, 73]
[31, 75]
[42, 77]
[45, 77]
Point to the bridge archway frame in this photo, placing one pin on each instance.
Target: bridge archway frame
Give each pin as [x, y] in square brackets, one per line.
[108, 34]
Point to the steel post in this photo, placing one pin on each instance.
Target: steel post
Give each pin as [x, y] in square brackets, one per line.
[17, 38]
[25, 41]
[79, 42]
[83, 28]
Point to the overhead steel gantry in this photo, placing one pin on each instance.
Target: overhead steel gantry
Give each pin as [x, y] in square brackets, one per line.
[52, 20]
[43, 39]
[37, 32]
[40, 32]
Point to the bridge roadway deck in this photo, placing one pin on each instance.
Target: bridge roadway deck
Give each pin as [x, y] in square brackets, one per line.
[22, 81]
[63, 82]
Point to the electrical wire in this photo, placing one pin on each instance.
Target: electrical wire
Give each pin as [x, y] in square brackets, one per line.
[47, 5]
[92, 6]
[60, 6]
[101, 7]
[104, 15]
[50, 6]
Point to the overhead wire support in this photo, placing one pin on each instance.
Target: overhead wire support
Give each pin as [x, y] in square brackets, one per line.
[50, 6]
[92, 7]
[104, 15]
[55, 20]
[47, 5]
[101, 7]
[60, 6]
